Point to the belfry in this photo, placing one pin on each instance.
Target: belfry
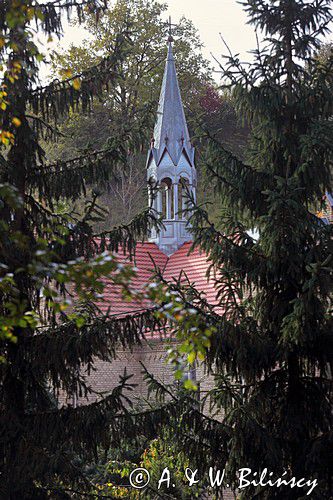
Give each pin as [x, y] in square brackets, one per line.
[171, 172]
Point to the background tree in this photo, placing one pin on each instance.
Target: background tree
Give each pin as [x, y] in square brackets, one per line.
[215, 119]
[131, 103]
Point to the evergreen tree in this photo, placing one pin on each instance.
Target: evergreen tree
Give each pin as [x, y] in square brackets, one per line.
[272, 350]
[46, 253]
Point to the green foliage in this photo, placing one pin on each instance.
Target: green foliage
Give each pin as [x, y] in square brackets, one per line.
[50, 254]
[162, 453]
[271, 349]
[127, 110]
[189, 326]
[142, 69]
[111, 473]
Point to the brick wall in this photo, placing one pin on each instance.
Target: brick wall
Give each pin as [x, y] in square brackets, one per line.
[106, 375]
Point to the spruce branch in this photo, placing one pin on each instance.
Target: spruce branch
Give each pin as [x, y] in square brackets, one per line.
[70, 178]
[67, 348]
[125, 236]
[48, 16]
[44, 129]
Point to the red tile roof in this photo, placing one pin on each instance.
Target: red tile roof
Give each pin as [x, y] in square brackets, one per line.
[192, 265]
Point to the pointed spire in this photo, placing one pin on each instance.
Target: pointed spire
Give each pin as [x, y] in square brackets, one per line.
[171, 121]
[171, 141]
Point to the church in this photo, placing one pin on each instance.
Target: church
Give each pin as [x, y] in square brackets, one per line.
[170, 168]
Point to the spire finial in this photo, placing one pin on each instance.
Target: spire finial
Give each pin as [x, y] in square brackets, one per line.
[170, 38]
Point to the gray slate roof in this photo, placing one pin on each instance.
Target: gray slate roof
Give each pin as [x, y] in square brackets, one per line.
[171, 132]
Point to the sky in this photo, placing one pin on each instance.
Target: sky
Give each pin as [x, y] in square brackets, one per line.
[210, 17]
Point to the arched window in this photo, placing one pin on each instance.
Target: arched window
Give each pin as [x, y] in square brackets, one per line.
[166, 193]
[183, 188]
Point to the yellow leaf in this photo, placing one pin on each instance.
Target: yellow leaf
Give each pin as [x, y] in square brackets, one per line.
[30, 13]
[6, 137]
[3, 106]
[191, 357]
[190, 385]
[66, 73]
[16, 122]
[77, 84]
[39, 14]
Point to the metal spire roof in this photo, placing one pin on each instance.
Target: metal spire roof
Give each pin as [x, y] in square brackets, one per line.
[171, 132]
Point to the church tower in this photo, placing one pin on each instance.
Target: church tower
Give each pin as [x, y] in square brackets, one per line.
[170, 164]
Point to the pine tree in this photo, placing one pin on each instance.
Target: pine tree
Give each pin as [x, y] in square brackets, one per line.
[46, 253]
[272, 350]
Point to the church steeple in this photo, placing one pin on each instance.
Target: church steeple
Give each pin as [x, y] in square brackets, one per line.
[171, 132]
[170, 162]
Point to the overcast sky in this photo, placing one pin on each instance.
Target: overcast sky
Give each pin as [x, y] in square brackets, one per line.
[210, 17]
